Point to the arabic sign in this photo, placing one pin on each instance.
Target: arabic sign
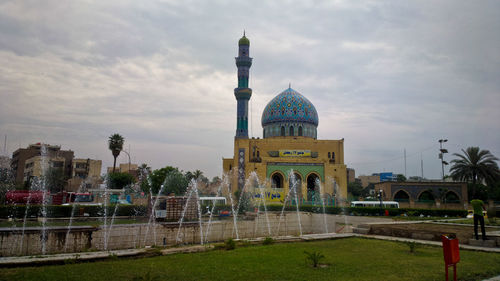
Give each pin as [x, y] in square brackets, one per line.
[270, 196]
[295, 153]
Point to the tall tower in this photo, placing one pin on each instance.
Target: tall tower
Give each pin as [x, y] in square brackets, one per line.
[243, 93]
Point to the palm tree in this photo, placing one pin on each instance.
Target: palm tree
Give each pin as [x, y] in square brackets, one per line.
[115, 144]
[475, 166]
[144, 170]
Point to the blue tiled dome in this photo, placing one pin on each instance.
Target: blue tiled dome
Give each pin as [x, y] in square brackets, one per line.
[290, 114]
[290, 106]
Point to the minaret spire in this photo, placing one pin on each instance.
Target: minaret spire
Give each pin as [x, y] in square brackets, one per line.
[242, 92]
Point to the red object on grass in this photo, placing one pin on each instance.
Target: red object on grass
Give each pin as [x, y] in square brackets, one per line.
[451, 253]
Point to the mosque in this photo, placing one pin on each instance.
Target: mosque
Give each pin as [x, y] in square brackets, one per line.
[289, 145]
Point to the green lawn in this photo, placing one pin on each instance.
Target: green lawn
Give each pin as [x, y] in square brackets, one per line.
[348, 259]
[487, 221]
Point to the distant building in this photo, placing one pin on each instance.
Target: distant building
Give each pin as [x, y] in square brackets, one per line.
[351, 175]
[124, 168]
[34, 166]
[85, 174]
[366, 180]
[22, 157]
[29, 162]
[441, 195]
[376, 178]
[4, 162]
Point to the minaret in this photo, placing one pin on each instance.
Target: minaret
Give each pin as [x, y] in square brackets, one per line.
[243, 93]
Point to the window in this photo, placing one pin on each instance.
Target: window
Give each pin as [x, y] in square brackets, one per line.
[291, 131]
[282, 131]
[300, 131]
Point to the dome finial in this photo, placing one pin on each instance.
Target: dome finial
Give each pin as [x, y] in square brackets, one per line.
[289, 85]
[243, 32]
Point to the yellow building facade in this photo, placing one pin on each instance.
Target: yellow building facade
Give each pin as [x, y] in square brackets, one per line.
[289, 154]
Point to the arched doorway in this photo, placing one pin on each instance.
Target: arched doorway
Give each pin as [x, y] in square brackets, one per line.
[277, 180]
[313, 192]
[426, 196]
[451, 197]
[401, 196]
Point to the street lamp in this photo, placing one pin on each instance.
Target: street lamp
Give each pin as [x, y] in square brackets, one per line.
[380, 197]
[441, 154]
[128, 159]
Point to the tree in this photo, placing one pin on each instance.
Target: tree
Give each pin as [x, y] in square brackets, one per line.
[144, 173]
[355, 189]
[400, 178]
[475, 166]
[173, 179]
[216, 180]
[115, 144]
[120, 180]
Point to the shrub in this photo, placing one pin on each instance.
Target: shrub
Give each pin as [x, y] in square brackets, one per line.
[314, 257]
[412, 245]
[230, 244]
[268, 241]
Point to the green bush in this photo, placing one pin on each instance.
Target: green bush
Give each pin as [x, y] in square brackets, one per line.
[229, 244]
[268, 241]
[314, 257]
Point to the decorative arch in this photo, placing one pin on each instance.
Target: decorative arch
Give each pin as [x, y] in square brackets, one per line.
[401, 196]
[277, 180]
[452, 197]
[311, 185]
[292, 133]
[426, 195]
[282, 131]
[300, 131]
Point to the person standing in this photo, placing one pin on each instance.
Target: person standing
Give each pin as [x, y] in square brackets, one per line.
[478, 206]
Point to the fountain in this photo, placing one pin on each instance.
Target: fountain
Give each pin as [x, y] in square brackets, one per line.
[319, 187]
[191, 222]
[293, 188]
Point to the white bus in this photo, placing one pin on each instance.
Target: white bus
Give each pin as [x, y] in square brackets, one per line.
[385, 204]
[213, 199]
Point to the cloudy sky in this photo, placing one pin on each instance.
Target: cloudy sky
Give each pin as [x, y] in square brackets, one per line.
[385, 75]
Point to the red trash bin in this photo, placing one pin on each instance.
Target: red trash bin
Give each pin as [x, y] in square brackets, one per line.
[451, 254]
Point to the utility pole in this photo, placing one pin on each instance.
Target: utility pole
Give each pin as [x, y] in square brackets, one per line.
[405, 162]
[442, 151]
[422, 166]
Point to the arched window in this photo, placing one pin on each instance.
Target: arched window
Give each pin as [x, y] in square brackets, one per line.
[401, 196]
[264, 133]
[277, 181]
[282, 131]
[329, 155]
[426, 196]
[312, 187]
[300, 131]
[291, 131]
[452, 197]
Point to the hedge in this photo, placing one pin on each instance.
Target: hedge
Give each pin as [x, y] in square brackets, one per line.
[58, 211]
[371, 211]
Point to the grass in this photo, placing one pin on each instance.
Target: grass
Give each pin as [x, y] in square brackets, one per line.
[349, 259]
[418, 218]
[488, 221]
